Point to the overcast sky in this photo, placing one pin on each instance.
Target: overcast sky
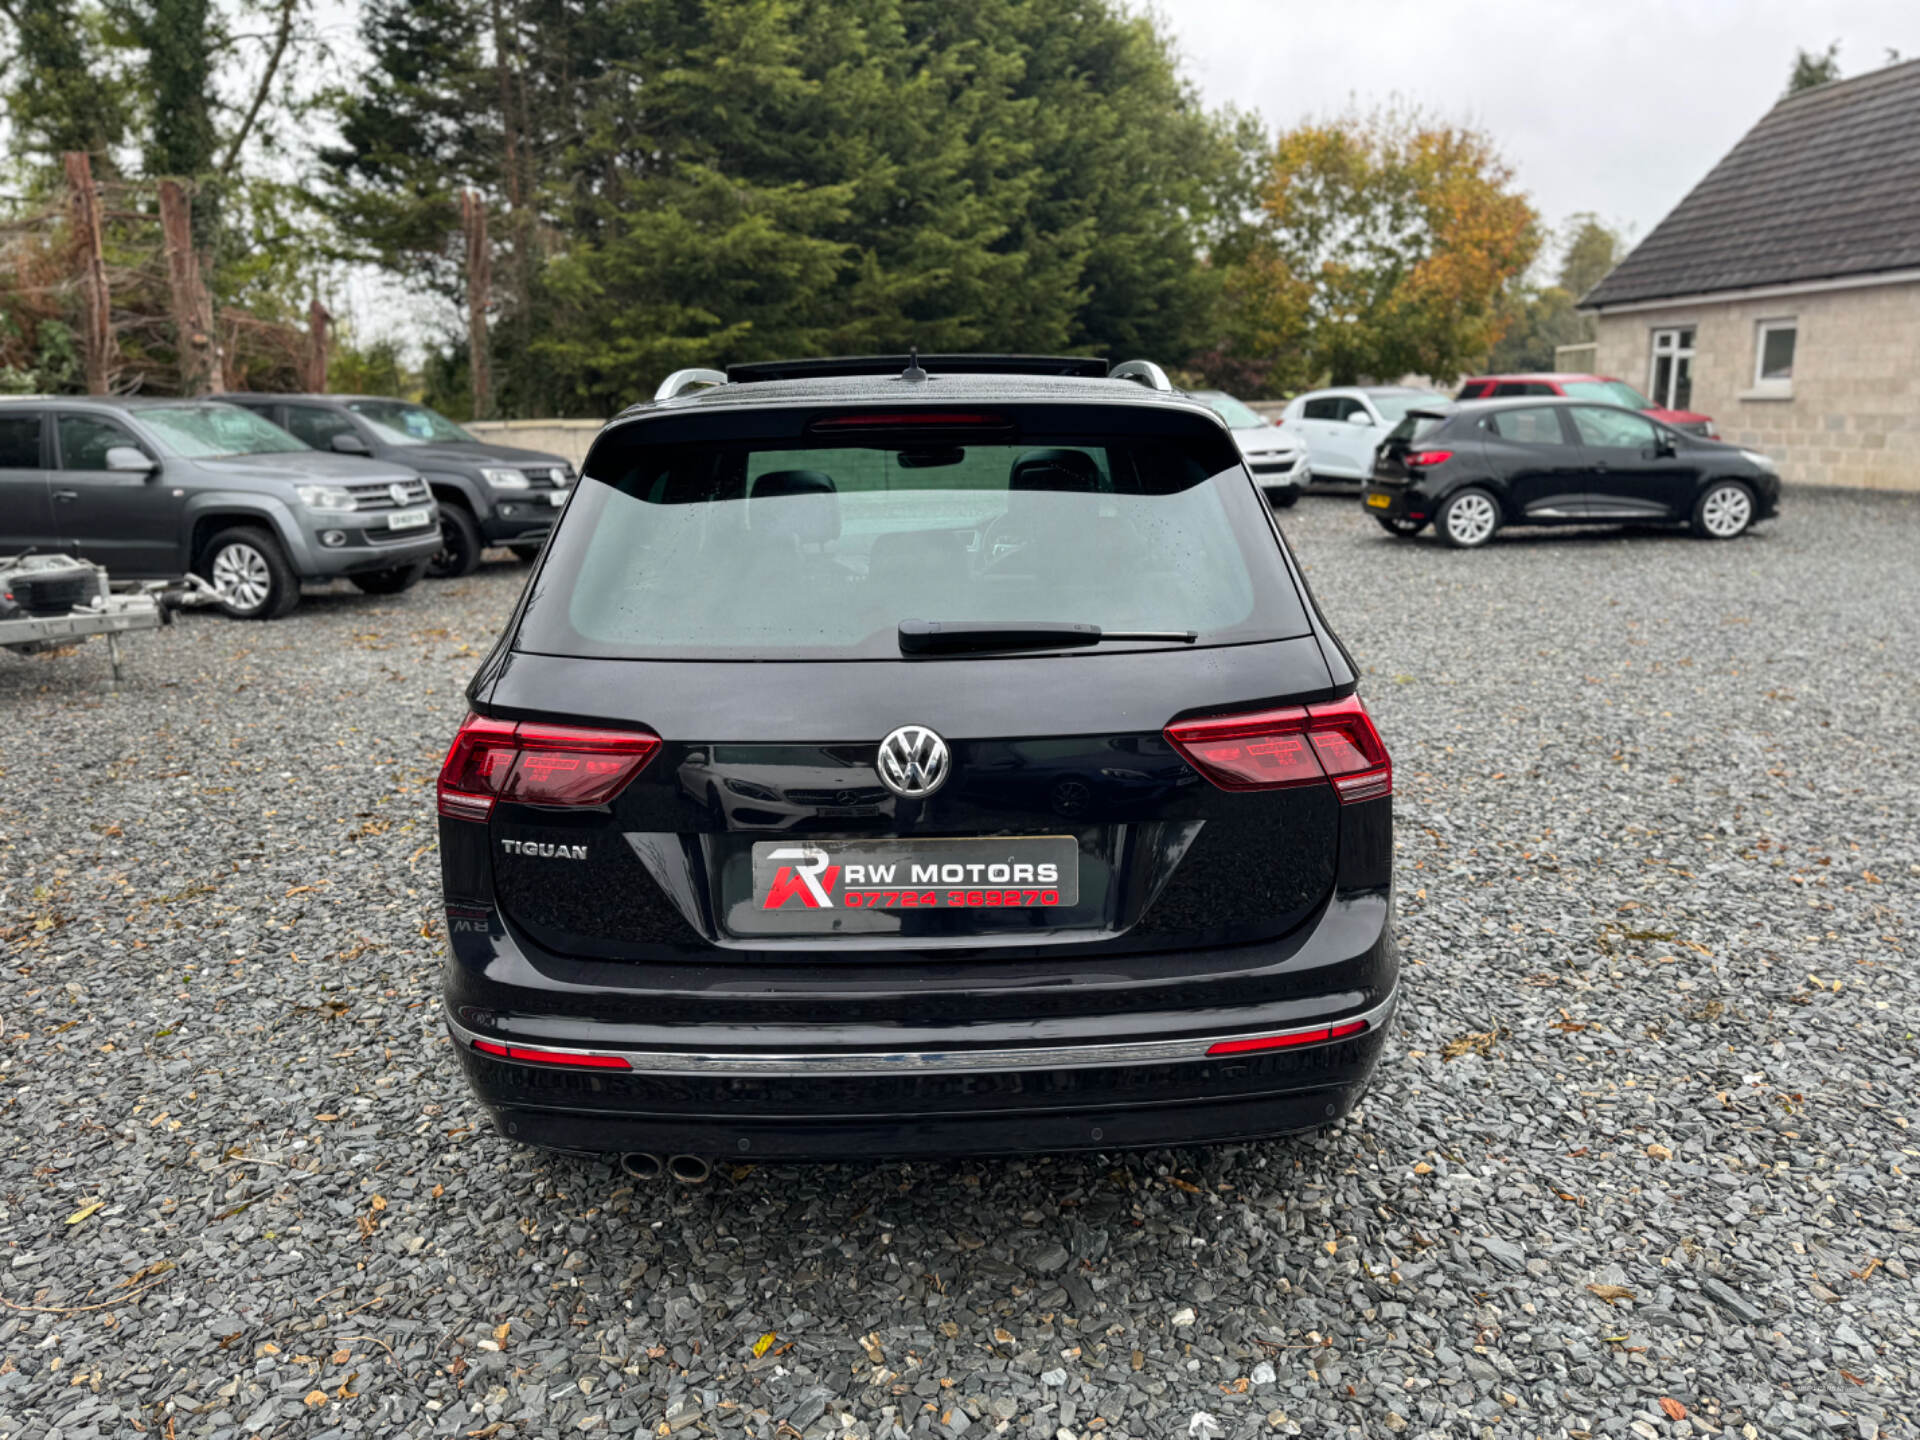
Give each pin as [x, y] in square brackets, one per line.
[1615, 106]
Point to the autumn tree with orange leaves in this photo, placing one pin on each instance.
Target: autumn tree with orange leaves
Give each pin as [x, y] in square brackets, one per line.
[1385, 245]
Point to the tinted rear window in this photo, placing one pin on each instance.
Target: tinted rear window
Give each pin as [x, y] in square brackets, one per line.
[787, 550]
[1416, 426]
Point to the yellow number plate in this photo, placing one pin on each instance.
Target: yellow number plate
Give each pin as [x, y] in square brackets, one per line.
[1377, 501]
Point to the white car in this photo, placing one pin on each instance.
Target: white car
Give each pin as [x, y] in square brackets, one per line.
[1277, 460]
[1343, 426]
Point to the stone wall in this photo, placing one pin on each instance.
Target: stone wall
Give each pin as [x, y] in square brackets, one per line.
[568, 438]
[1851, 415]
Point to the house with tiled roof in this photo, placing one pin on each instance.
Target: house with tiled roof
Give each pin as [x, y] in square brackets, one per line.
[1782, 295]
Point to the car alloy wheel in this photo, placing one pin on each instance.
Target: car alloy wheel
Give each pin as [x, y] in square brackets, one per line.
[1726, 511]
[240, 577]
[1470, 519]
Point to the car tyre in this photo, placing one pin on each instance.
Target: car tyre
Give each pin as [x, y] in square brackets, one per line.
[1468, 519]
[525, 554]
[1724, 511]
[390, 582]
[1282, 499]
[249, 572]
[460, 543]
[1400, 525]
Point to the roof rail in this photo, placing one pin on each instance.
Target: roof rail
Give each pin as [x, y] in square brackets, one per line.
[1091, 367]
[681, 381]
[1144, 372]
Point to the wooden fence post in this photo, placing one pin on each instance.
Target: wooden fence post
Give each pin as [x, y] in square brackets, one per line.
[90, 265]
[473, 219]
[201, 369]
[318, 319]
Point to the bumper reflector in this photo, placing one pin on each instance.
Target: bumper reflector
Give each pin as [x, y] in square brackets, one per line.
[550, 1057]
[1282, 1042]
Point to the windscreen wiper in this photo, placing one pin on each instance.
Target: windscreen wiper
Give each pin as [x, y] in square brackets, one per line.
[956, 637]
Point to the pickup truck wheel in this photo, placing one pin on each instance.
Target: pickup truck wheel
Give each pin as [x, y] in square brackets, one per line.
[249, 572]
[460, 543]
[390, 582]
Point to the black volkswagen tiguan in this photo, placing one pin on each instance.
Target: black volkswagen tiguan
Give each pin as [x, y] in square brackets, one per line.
[915, 756]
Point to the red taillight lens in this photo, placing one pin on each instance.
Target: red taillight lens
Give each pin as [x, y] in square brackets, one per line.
[1283, 1042]
[537, 764]
[1277, 749]
[1428, 457]
[551, 1057]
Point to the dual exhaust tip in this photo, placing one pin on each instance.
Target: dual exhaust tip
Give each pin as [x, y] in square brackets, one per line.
[687, 1169]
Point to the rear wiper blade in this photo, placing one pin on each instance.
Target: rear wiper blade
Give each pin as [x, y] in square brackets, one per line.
[949, 637]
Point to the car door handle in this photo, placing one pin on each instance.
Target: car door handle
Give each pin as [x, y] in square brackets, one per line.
[66, 494]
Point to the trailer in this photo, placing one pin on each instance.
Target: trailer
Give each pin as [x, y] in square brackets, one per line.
[51, 600]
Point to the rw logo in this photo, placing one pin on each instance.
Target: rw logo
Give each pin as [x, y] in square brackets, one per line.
[810, 880]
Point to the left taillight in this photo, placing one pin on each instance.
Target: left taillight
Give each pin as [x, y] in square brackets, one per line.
[1420, 459]
[533, 763]
[1332, 744]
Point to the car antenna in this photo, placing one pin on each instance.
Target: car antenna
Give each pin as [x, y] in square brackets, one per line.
[913, 370]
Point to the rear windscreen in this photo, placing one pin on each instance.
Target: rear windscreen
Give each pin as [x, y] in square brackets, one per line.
[1416, 426]
[779, 550]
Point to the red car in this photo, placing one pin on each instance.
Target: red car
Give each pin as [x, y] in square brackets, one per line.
[1585, 387]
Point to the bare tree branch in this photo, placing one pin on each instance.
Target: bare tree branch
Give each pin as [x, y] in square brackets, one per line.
[281, 37]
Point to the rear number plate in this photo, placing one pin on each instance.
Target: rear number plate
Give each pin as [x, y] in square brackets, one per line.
[406, 519]
[1003, 872]
[1377, 501]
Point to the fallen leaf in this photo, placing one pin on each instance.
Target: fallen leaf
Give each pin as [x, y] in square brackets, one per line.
[1186, 1185]
[326, 1119]
[340, 1357]
[1659, 1152]
[1423, 1168]
[764, 1344]
[316, 1398]
[871, 1344]
[84, 1211]
[379, 1202]
[1611, 1293]
[1675, 1410]
[500, 1331]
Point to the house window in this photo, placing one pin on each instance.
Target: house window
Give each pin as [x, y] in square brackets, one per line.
[1773, 354]
[1670, 378]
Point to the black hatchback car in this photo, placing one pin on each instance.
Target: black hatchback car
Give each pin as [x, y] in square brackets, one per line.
[919, 763]
[1470, 467]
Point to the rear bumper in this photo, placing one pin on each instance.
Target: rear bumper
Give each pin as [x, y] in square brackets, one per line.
[1101, 1081]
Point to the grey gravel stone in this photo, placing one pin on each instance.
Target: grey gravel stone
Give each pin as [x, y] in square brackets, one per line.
[1658, 845]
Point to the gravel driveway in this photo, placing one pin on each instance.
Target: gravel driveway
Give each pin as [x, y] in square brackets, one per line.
[1638, 1162]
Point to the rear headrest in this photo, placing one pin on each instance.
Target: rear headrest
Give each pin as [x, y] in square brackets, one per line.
[1072, 470]
[800, 503]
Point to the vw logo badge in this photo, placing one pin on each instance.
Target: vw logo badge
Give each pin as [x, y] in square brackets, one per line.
[398, 492]
[913, 762]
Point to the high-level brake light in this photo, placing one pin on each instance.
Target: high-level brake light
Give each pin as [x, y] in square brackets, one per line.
[1278, 749]
[537, 764]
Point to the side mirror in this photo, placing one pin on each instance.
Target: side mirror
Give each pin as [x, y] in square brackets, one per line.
[348, 443]
[1662, 446]
[134, 462]
[1359, 417]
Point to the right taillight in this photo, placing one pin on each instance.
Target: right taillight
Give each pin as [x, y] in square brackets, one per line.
[537, 764]
[1277, 749]
[1420, 458]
